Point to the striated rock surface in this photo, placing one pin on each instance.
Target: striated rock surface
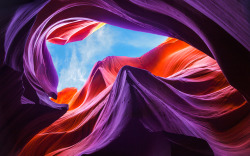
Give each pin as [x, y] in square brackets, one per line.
[172, 100]
[197, 100]
[71, 31]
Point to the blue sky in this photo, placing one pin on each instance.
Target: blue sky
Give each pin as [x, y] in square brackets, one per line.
[74, 61]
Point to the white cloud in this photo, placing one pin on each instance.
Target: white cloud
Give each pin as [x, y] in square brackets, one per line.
[82, 54]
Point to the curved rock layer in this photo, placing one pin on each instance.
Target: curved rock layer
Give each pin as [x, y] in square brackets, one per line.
[202, 25]
[199, 103]
[172, 90]
[67, 31]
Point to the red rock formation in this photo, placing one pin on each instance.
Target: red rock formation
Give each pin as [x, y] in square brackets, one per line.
[72, 31]
[194, 98]
[186, 94]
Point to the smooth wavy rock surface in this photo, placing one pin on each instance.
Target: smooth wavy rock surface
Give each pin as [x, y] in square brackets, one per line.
[199, 103]
[67, 32]
[173, 89]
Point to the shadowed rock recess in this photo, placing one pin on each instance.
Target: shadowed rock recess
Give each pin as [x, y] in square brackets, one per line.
[188, 96]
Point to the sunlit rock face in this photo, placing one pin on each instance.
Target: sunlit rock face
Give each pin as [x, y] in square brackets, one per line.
[174, 95]
[173, 88]
[71, 31]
